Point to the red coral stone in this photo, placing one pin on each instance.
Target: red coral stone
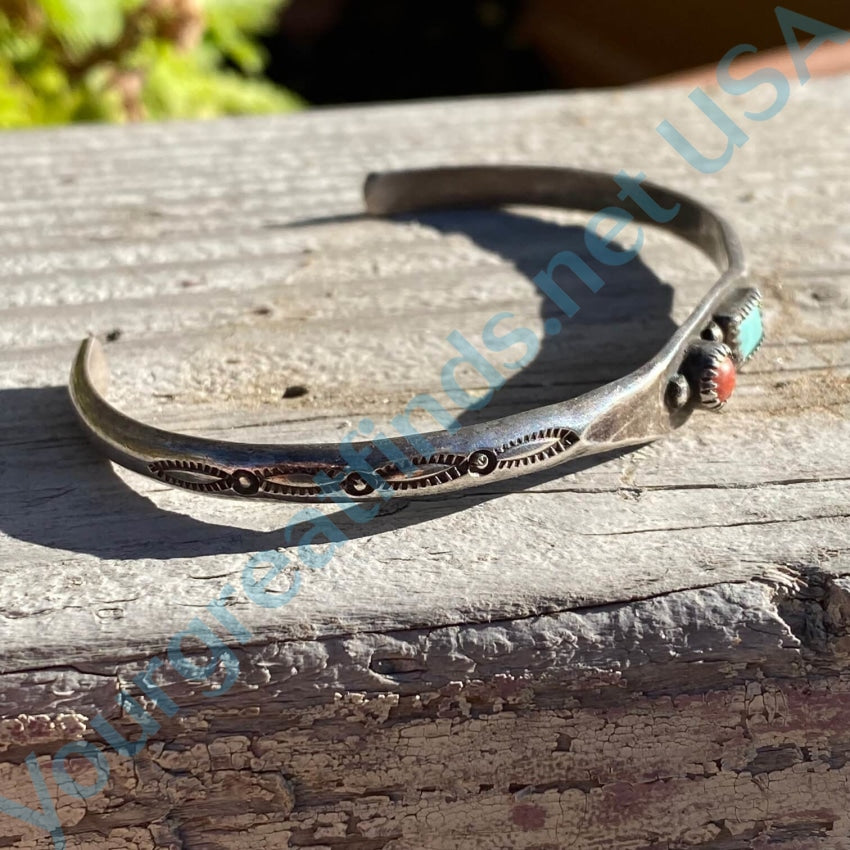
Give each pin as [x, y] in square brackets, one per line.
[726, 378]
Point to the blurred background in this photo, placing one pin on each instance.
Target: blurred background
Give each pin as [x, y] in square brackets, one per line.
[63, 61]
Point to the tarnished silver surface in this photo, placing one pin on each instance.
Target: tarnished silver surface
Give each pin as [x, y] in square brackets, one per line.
[639, 407]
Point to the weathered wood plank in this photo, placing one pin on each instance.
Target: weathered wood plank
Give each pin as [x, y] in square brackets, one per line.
[650, 651]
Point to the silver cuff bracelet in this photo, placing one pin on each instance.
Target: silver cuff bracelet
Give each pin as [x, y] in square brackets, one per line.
[696, 368]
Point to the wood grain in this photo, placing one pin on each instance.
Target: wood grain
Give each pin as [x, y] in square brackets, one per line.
[645, 651]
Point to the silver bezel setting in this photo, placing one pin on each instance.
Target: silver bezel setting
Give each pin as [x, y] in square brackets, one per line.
[732, 315]
[714, 353]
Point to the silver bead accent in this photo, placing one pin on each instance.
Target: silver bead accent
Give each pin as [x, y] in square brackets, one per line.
[678, 392]
[713, 332]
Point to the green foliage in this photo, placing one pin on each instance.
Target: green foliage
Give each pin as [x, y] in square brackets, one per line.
[118, 60]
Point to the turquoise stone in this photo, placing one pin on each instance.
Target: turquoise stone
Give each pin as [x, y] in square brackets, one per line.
[750, 333]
